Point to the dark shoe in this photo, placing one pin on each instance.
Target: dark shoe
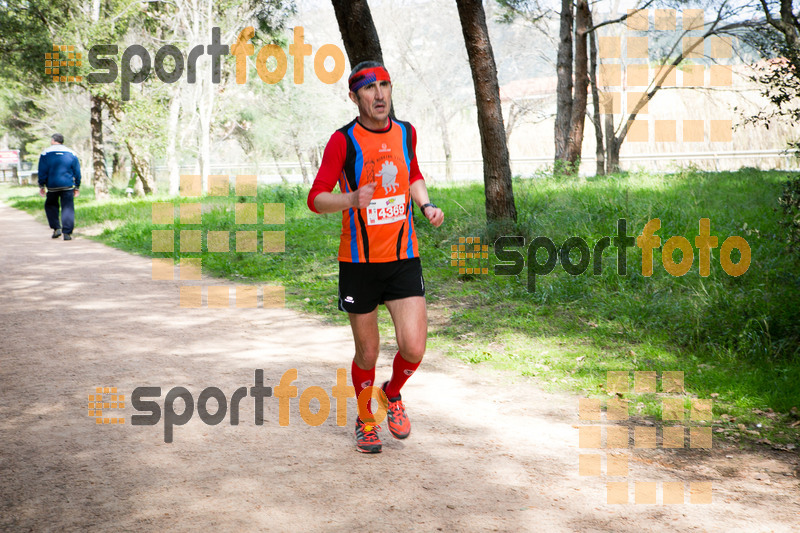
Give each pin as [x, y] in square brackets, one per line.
[367, 439]
[56, 233]
[67, 237]
[398, 422]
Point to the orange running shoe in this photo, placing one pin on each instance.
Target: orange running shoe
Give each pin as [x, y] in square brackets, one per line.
[399, 424]
[367, 439]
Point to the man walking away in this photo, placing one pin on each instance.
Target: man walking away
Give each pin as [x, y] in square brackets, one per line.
[60, 173]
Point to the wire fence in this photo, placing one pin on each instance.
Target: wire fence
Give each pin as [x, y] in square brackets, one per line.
[467, 170]
[471, 170]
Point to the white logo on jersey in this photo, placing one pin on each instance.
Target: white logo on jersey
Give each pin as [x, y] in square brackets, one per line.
[388, 175]
[349, 299]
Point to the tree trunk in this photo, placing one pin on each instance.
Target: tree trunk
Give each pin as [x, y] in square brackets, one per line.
[204, 112]
[612, 146]
[578, 116]
[448, 152]
[140, 160]
[172, 141]
[615, 141]
[313, 158]
[114, 165]
[278, 165]
[441, 119]
[359, 35]
[299, 154]
[100, 176]
[511, 120]
[563, 84]
[358, 31]
[600, 154]
[118, 161]
[138, 188]
[613, 155]
[496, 170]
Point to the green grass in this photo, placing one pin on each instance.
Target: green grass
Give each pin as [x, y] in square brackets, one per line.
[737, 338]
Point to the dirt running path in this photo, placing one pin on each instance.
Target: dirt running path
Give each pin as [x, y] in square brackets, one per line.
[487, 453]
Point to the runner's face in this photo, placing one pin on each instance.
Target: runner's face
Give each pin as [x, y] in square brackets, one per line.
[374, 101]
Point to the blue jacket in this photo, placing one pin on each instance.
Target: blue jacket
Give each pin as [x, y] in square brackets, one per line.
[59, 168]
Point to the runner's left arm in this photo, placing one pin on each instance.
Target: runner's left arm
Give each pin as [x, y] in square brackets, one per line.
[419, 193]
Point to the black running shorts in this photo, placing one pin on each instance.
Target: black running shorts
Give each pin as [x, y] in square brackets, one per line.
[362, 286]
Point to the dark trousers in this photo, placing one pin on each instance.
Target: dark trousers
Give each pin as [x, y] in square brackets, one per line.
[67, 220]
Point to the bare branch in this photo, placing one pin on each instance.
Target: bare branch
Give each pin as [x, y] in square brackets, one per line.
[656, 84]
[622, 18]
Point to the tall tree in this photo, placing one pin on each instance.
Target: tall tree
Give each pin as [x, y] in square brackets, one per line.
[564, 82]
[434, 68]
[28, 28]
[779, 42]
[727, 20]
[578, 115]
[27, 31]
[600, 153]
[360, 38]
[114, 20]
[191, 22]
[786, 22]
[101, 181]
[496, 168]
[572, 72]
[358, 31]
[138, 127]
[202, 22]
[604, 144]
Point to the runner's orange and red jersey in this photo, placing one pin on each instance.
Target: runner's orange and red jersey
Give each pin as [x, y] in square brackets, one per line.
[384, 230]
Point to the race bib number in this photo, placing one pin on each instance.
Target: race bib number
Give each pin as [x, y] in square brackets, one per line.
[386, 210]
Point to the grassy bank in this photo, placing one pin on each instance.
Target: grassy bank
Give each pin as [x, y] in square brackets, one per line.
[737, 339]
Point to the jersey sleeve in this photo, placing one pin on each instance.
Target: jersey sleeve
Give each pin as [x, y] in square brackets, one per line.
[330, 169]
[76, 171]
[42, 170]
[414, 173]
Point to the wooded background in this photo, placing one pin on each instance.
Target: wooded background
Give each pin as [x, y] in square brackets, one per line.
[543, 73]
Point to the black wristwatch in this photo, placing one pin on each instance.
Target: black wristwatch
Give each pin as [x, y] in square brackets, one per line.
[422, 207]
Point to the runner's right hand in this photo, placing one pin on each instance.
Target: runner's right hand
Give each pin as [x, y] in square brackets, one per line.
[363, 195]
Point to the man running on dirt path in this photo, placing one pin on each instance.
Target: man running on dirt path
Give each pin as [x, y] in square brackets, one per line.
[373, 159]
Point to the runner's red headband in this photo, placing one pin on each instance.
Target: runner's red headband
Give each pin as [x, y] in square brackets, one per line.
[366, 76]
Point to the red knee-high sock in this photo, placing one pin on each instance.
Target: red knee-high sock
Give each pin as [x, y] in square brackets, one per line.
[401, 371]
[362, 379]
